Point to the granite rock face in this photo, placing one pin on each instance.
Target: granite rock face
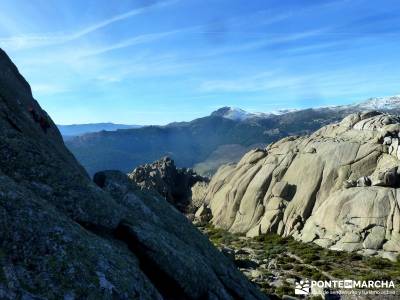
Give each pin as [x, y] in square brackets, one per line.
[337, 187]
[64, 237]
[172, 183]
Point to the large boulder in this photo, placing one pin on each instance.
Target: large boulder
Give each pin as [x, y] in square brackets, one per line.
[341, 180]
[64, 237]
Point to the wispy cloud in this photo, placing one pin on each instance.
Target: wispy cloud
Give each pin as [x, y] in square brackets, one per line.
[120, 17]
[312, 48]
[265, 41]
[260, 82]
[32, 41]
[133, 41]
[133, 61]
[47, 89]
[146, 66]
[329, 83]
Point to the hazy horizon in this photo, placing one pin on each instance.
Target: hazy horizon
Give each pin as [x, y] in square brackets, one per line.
[157, 62]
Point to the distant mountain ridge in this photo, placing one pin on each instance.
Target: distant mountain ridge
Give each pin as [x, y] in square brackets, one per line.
[192, 143]
[80, 129]
[375, 103]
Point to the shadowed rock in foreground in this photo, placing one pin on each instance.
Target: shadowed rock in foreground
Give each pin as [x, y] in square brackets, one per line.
[337, 187]
[63, 237]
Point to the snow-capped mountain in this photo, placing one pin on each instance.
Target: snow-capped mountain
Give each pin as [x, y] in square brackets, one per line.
[237, 114]
[381, 103]
[386, 104]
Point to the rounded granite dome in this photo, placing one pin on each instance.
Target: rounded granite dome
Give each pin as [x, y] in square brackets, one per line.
[336, 187]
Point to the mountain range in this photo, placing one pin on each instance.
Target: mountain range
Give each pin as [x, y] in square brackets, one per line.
[206, 143]
[70, 131]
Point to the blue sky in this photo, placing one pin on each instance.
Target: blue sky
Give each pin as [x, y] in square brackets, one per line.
[154, 62]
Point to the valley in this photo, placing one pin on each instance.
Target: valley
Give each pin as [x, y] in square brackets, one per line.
[209, 142]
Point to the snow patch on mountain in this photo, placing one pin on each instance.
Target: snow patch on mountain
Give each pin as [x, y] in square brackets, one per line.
[381, 103]
[237, 114]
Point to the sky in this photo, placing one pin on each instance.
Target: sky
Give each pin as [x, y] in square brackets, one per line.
[154, 62]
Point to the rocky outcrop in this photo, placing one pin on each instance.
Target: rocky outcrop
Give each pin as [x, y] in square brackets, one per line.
[63, 237]
[172, 183]
[337, 188]
[174, 254]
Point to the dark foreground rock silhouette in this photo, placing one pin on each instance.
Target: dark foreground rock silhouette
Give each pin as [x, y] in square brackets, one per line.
[63, 237]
